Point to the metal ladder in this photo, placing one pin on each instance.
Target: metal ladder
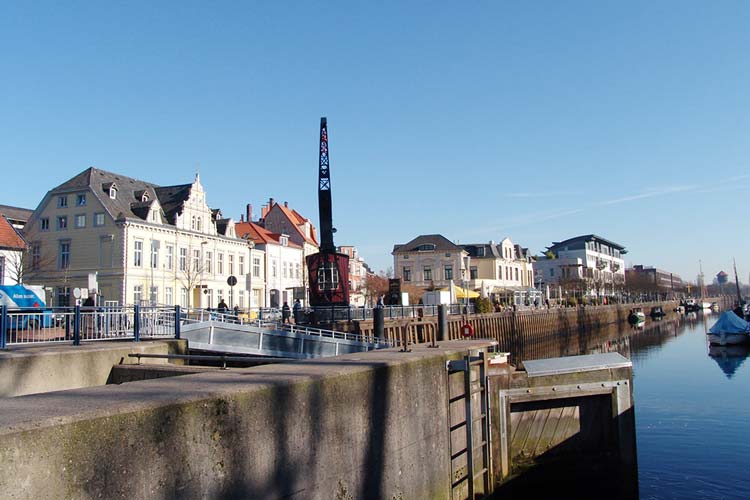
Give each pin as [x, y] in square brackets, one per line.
[468, 421]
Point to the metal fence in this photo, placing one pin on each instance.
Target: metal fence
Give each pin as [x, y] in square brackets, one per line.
[332, 313]
[19, 326]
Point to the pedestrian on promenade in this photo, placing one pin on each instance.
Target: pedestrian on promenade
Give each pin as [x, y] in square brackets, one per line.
[223, 307]
[285, 313]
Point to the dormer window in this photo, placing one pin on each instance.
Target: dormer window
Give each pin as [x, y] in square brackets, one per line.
[284, 241]
[427, 247]
[144, 197]
[113, 192]
[111, 189]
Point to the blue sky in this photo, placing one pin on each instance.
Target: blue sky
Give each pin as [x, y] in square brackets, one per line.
[477, 120]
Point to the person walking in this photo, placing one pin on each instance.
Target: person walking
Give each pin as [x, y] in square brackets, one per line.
[223, 307]
[285, 313]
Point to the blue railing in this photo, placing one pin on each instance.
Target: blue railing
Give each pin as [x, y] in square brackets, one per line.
[19, 326]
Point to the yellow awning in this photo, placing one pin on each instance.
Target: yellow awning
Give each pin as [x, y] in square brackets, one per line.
[462, 293]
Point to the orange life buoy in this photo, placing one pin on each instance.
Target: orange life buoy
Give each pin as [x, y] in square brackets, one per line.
[467, 330]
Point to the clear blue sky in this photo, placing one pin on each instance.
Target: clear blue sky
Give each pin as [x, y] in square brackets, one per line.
[477, 120]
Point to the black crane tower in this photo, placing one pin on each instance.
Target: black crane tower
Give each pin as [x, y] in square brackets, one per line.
[328, 270]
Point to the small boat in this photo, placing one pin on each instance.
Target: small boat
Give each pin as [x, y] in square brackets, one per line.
[729, 329]
[636, 316]
[691, 305]
[729, 358]
[657, 312]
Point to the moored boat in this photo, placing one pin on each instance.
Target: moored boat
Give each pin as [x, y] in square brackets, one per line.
[636, 316]
[657, 312]
[729, 329]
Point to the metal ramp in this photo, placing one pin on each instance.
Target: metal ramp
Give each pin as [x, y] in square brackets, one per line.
[469, 428]
[283, 341]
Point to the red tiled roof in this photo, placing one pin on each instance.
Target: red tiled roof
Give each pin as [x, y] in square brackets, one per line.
[259, 235]
[9, 238]
[297, 220]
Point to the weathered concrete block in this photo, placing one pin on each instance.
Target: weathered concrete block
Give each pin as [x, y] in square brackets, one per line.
[367, 425]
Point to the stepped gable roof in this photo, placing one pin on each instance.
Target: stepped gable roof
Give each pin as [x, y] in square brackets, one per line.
[438, 242]
[9, 237]
[16, 213]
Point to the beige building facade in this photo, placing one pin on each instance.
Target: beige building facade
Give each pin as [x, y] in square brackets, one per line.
[137, 243]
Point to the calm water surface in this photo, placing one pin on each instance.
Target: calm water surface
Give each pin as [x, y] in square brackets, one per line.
[692, 414]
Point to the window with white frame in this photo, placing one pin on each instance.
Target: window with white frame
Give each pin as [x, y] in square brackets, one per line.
[220, 263]
[168, 298]
[183, 259]
[242, 299]
[184, 297]
[137, 294]
[155, 255]
[44, 224]
[99, 219]
[196, 260]
[169, 260]
[138, 253]
[209, 260]
[81, 200]
[63, 253]
[406, 273]
[241, 265]
[231, 264]
[36, 256]
[328, 276]
[427, 271]
[62, 201]
[256, 267]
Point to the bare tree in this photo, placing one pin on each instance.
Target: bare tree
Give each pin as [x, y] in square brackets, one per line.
[25, 263]
[192, 274]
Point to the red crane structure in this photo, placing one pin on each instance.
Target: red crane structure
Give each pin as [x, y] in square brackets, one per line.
[328, 270]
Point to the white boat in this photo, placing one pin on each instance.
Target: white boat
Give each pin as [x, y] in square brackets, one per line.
[729, 329]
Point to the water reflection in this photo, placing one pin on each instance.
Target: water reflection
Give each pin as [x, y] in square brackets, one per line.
[729, 358]
[622, 338]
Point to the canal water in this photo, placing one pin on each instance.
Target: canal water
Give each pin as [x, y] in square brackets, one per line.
[692, 413]
[692, 410]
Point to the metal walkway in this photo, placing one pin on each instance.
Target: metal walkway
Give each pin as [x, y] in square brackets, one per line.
[287, 341]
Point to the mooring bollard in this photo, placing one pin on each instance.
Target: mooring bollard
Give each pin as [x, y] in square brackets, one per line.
[136, 323]
[77, 326]
[3, 325]
[442, 326]
[177, 322]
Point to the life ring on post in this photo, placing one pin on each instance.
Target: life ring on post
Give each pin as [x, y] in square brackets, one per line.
[467, 330]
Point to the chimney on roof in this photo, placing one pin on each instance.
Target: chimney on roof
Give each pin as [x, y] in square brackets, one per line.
[286, 204]
[270, 202]
[249, 212]
[242, 218]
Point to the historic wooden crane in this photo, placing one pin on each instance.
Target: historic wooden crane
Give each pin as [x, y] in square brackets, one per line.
[328, 270]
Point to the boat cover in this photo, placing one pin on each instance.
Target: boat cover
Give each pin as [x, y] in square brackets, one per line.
[730, 323]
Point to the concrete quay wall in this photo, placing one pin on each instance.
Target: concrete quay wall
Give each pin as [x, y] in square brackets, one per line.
[370, 425]
[34, 369]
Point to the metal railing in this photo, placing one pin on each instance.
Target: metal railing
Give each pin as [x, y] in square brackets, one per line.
[19, 326]
[332, 334]
[333, 313]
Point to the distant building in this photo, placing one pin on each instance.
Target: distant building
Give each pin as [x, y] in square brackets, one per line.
[430, 260]
[650, 277]
[12, 249]
[276, 270]
[136, 243]
[358, 273]
[503, 272]
[588, 264]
